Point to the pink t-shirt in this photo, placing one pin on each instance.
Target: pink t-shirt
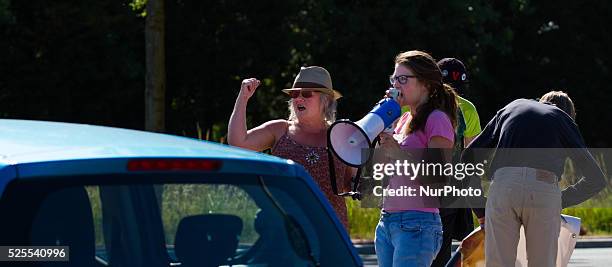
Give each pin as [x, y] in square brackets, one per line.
[438, 124]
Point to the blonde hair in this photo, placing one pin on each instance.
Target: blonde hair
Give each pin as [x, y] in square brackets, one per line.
[328, 109]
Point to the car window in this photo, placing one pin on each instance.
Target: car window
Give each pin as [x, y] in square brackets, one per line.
[179, 201]
[49, 215]
[167, 220]
[93, 193]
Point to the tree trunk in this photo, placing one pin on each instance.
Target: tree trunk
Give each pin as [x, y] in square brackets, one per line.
[155, 84]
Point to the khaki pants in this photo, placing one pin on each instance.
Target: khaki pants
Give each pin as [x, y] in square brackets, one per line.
[527, 196]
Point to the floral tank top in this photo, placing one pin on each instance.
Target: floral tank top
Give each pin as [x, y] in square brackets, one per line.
[315, 161]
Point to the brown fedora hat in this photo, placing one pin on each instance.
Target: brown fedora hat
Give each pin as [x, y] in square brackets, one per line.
[314, 78]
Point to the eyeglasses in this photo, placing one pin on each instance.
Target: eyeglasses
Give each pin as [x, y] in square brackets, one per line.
[402, 79]
[305, 93]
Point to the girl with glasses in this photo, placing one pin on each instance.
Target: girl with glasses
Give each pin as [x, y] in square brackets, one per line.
[409, 232]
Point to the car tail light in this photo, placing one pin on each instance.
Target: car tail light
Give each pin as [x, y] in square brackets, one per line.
[173, 164]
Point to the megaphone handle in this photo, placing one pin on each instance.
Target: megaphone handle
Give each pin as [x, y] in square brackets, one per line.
[356, 180]
[376, 141]
[332, 175]
[332, 170]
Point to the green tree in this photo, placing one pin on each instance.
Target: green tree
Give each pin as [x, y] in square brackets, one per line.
[76, 61]
[84, 61]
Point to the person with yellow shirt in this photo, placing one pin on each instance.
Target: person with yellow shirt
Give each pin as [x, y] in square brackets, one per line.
[457, 222]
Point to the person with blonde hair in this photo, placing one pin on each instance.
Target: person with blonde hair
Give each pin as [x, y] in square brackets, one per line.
[303, 136]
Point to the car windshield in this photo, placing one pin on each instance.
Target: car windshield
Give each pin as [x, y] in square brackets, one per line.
[174, 220]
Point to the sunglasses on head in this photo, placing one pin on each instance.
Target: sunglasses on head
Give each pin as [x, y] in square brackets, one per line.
[305, 93]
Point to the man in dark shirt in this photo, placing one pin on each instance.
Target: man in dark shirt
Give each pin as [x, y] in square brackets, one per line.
[532, 141]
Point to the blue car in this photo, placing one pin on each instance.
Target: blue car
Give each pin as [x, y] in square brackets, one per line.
[118, 197]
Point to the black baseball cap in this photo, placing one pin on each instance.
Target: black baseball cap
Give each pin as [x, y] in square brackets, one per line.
[453, 72]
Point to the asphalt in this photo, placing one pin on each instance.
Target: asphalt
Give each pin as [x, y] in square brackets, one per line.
[368, 247]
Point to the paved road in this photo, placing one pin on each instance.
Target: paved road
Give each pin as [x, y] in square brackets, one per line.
[596, 257]
[582, 257]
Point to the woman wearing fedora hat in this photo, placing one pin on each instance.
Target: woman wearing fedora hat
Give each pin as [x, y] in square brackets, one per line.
[303, 136]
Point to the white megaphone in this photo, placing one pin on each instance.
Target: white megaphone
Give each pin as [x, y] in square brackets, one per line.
[347, 139]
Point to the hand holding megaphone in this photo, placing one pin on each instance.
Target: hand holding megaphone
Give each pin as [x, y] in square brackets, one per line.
[387, 141]
[389, 146]
[394, 94]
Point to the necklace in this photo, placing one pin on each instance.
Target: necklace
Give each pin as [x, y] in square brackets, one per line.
[312, 157]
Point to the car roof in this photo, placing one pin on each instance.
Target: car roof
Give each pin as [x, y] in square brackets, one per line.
[25, 142]
[33, 149]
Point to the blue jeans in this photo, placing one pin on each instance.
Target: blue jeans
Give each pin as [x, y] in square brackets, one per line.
[408, 238]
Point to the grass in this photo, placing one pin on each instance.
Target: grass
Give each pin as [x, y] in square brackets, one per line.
[596, 213]
[596, 220]
[362, 221]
